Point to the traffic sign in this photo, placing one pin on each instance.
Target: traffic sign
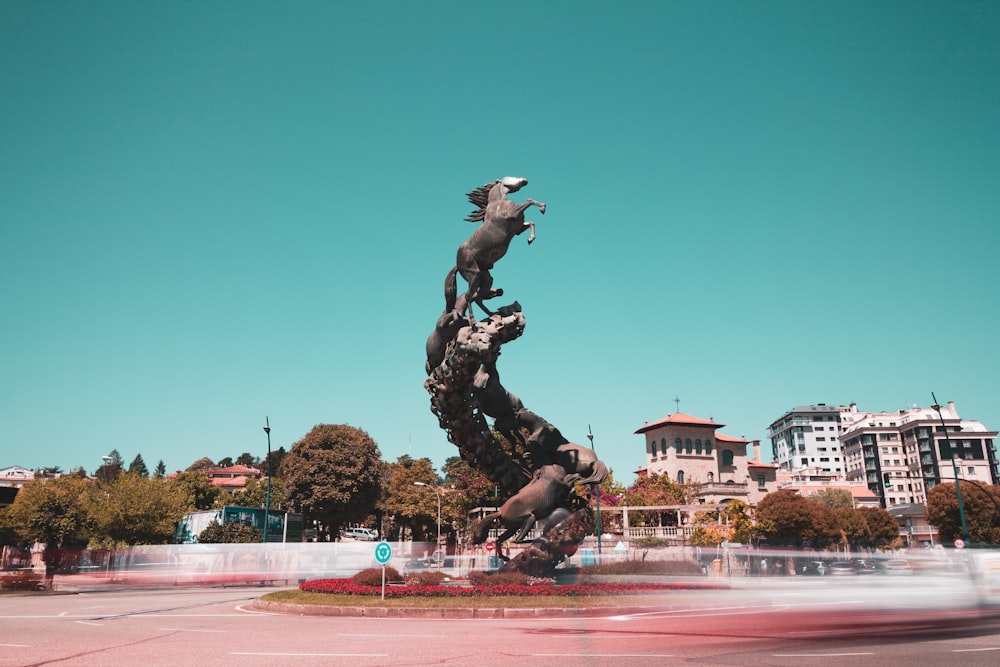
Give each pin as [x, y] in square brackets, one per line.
[383, 552]
[960, 543]
[489, 547]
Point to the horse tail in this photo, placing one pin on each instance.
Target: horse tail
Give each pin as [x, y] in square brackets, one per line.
[451, 290]
[483, 529]
[599, 474]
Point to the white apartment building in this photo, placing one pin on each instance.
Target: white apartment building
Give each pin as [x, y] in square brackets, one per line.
[809, 437]
[903, 454]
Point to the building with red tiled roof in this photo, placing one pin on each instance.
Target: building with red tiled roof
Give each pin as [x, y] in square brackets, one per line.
[232, 478]
[688, 449]
[229, 478]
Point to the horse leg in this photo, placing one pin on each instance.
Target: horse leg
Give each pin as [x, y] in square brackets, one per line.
[484, 289]
[531, 226]
[525, 527]
[522, 207]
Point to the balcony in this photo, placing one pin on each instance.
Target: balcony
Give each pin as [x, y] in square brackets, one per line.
[723, 489]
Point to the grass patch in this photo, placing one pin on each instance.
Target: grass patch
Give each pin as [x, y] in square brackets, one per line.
[508, 602]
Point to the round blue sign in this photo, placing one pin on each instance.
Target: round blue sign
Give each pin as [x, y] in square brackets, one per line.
[383, 552]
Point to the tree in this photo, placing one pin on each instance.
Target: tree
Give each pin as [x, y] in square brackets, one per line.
[199, 491]
[161, 470]
[225, 462]
[854, 530]
[653, 489]
[408, 505]
[883, 528]
[333, 475]
[204, 463]
[273, 462]
[229, 533]
[787, 519]
[982, 517]
[53, 512]
[834, 498]
[138, 466]
[468, 488]
[247, 459]
[254, 494]
[136, 510]
[111, 468]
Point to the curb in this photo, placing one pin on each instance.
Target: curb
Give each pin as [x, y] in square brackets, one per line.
[445, 613]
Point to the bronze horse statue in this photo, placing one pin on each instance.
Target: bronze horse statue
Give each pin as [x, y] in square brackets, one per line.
[502, 220]
[536, 501]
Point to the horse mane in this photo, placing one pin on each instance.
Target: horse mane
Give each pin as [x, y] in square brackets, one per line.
[480, 197]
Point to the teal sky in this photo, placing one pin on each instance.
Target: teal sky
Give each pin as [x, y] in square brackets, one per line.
[217, 212]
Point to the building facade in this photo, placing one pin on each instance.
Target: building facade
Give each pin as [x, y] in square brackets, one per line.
[901, 455]
[809, 437]
[689, 450]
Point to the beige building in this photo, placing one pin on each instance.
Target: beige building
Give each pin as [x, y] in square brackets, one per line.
[689, 450]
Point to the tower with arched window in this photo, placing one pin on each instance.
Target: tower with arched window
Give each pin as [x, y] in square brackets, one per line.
[690, 450]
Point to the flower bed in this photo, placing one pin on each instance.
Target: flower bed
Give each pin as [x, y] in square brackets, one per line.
[349, 587]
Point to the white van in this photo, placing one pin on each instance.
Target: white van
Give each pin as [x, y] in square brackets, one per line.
[364, 534]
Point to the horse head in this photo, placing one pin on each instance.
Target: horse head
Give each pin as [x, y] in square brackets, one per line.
[513, 183]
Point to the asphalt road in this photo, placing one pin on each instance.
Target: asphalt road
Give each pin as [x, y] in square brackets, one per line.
[219, 626]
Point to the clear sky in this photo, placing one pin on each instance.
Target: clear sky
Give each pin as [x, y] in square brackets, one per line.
[217, 212]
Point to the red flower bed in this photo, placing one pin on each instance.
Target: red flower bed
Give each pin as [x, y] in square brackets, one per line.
[348, 587]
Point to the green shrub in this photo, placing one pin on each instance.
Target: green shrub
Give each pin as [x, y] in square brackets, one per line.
[498, 578]
[373, 576]
[25, 580]
[649, 542]
[650, 567]
[425, 578]
[229, 533]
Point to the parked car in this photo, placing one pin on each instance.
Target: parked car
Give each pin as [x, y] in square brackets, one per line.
[365, 534]
[842, 568]
[897, 566]
[815, 568]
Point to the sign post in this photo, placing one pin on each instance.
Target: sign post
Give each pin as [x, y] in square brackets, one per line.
[383, 553]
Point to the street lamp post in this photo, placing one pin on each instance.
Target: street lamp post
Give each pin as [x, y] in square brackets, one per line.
[438, 494]
[597, 496]
[267, 493]
[954, 467]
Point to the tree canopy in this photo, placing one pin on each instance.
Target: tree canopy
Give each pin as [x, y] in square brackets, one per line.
[199, 491]
[982, 514]
[137, 510]
[785, 518]
[409, 505]
[53, 511]
[333, 475]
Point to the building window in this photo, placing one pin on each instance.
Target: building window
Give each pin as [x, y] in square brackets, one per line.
[687, 445]
[680, 476]
[708, 446]
[663, 446]
[727, 457]
[677, 445]
[711, 477]
[697, 446]
[760, 481]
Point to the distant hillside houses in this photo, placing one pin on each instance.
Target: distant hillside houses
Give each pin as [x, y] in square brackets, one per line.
[229, 478]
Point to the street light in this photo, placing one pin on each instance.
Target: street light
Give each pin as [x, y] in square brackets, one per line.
[436, 493]
[597, 497]
[954, 467]
[267, 494]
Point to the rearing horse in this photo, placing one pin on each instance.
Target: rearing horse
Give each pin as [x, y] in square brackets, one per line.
[502, 219]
